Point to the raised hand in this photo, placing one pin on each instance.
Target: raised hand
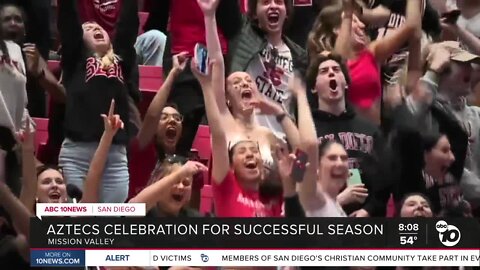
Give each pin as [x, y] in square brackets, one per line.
[285, 163]
[297, 85]
[180, 62]
[112, 122]
[33, 59]
[26, 137]
[204, 80]
[191, 168]
[209, 7]
[267, 106]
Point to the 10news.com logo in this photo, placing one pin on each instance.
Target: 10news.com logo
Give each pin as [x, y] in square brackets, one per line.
[449, 235]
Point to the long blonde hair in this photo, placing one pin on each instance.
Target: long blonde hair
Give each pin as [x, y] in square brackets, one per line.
[108, 59]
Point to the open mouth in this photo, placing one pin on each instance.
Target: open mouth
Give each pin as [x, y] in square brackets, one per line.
[333, 85]
[273, 18]
[55, 196]
[171, 133]
[251, 165]
[466, 79]
[177, 197]
[246, 94]
[98, 36]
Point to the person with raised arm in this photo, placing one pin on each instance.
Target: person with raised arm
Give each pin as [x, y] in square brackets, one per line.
[338, 29]
[47, 183]
[237, 169]
[260, 48]
[319, 189]
[95, 71]
[238, 117]
[335, 119]
[157, 113]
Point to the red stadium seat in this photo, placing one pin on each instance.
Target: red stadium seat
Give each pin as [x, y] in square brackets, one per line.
[206, 202]
[151, 79]
[140, 165]
[142, 17]
[202, 143]
[54, 67]
[41, 134]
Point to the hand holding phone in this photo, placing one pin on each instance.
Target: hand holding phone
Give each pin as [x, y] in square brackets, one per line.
[201, 58]
[299, 165]
[355, 178]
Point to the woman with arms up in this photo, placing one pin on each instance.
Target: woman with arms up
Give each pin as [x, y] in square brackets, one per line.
[338, 29]
[95, 71]
[239, 104]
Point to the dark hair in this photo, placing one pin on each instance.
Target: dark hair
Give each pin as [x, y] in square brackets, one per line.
[429, 140]
[172, 105]
[44, 167]
[408, 195]
[252, 12]
[3, 45]
[312, 73]
[325, 145]
[231, 148]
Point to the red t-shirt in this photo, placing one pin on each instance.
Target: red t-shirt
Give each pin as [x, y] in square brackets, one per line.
[365, 87]
[104, 12]
[187, 27]
[231, 200]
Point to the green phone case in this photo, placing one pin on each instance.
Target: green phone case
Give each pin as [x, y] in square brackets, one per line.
[355, 177]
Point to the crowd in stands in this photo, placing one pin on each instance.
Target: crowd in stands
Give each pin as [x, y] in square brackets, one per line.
[308, 108]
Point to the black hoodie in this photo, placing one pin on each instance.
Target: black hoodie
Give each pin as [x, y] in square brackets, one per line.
[364, 144]
[88, 86]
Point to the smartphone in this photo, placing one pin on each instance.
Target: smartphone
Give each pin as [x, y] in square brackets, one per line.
[451, 17]
[355, 178]
[299, 166]
[201, 57]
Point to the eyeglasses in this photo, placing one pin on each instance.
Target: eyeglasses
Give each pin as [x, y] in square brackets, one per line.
[176, 117]
[173, 159]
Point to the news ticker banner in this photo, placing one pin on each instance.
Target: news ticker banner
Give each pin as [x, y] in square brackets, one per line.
[248, 233]
[255, 257]
[121, 241]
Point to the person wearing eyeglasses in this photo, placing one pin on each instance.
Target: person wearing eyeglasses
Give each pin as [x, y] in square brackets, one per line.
[164, 122]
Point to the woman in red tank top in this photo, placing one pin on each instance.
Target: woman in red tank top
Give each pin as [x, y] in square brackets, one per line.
[338, 28]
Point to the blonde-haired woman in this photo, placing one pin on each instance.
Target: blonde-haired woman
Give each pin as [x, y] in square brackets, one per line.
[339, 29]
[95, 71]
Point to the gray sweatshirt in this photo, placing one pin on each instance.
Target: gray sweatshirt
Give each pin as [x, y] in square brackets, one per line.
[469, 118]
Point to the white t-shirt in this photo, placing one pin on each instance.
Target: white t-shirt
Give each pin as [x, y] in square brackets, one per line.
[272, 81]
[13, 93]
[331, 208]
[472, 25]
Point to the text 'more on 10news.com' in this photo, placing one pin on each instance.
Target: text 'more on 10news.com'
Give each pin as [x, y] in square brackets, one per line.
[80, 235]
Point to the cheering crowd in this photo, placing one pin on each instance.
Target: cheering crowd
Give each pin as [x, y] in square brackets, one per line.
[320, 108]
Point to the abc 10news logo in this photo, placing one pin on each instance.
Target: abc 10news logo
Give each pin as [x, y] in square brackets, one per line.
[449, 235]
